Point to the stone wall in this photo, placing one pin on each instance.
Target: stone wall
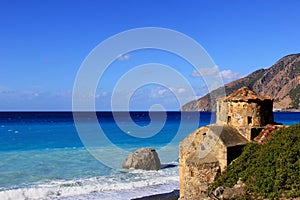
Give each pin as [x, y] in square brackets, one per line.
[243, 115]
[220, 153]
[204, 153]
[239, 113]
[198, 177]
[202, 156]
[222, 112]
[188, 146]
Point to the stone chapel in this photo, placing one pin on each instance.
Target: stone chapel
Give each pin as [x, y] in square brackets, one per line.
[240, 117]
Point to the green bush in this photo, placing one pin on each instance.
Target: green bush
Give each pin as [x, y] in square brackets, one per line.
[271, 170]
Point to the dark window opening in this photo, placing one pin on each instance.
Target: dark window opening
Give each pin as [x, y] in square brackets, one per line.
[233, 153]
[229, 119]
[192, 174]
[255, 132]
[249, 120]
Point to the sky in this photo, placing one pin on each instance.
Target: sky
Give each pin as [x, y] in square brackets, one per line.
[44, 43]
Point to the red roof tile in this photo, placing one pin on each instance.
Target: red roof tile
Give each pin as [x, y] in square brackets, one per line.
[245, 94]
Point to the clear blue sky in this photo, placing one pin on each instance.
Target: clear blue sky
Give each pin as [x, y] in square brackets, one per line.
[43, 43]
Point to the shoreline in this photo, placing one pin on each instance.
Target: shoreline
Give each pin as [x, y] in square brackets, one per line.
[174, 195]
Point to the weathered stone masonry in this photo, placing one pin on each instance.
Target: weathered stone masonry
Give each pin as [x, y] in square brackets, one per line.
[208, 150]
[246, 111]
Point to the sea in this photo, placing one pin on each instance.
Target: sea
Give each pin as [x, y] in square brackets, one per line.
[62, 155]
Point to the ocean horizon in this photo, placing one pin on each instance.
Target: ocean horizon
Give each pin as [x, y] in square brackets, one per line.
[43, 156]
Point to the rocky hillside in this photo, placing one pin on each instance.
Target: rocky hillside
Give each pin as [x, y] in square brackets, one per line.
[280, 82]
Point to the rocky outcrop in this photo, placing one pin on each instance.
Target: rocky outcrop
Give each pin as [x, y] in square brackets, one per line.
[280, 82]
[144, 158]
[237, 192]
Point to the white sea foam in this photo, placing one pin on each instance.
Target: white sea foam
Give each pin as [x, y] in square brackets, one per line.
[119, 185]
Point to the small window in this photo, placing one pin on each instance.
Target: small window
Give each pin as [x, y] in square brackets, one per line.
[229, 120]
[192, 174]
[249, 120]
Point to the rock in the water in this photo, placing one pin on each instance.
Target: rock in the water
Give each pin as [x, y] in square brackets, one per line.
[144, 158]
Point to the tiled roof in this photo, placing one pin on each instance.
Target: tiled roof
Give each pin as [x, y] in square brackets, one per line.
[267, 132]
[245, 94]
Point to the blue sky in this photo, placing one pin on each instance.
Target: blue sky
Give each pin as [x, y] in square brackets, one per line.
[43, 44]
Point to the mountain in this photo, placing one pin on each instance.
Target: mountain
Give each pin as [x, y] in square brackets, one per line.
[281, 82]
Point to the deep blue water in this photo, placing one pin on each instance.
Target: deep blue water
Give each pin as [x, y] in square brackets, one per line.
[288, 118]
[51, 130]
[42, 155]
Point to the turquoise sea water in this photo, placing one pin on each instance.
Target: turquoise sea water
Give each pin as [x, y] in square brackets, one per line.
[42, 155]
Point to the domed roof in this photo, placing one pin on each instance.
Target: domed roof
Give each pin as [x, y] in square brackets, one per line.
[245, 94]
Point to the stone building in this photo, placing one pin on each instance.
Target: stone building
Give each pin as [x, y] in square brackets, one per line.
[208, 150]
[246, 111]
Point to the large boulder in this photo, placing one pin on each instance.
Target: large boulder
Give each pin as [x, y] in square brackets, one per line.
[144, 158]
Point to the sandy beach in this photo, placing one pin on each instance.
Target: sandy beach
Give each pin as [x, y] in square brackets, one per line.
[165, 196]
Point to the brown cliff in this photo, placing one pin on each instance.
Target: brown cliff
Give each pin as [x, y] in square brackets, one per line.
[280, 82]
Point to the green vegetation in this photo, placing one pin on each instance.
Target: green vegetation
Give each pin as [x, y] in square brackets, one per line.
[271, 170]
[295, 96]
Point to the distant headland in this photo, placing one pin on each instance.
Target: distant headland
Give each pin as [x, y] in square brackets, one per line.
[281, 82]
